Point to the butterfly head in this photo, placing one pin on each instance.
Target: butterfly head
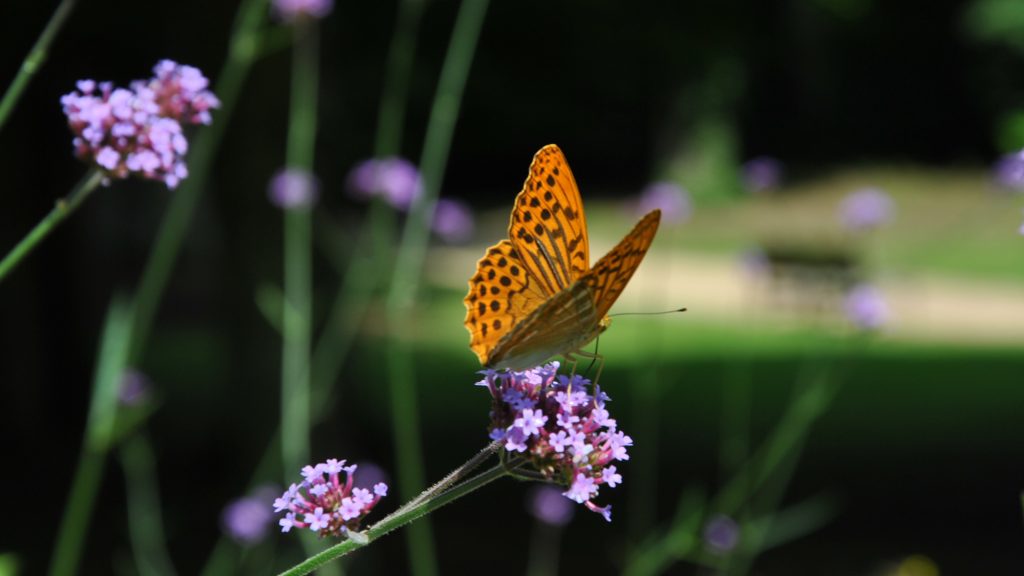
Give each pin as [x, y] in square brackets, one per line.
[605, 323]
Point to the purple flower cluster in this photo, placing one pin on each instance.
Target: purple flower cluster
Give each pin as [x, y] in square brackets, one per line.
[394, 179]
[139, 130]
[453, 221]
[291, 10]
[865, 307]
[247, 519]
[865, 209]
[1009, 171]
[565, 432]
[293, 188]
[762, 174]
[325, 504]
[669, 197]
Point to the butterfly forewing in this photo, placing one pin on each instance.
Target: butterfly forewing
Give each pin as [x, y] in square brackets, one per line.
[609, 276]
[548, 225]
[500, 296]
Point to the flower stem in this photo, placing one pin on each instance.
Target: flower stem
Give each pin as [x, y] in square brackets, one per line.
[63, 208]
[244, 50]
[35, 59]
[409, 262]
[297, 313]
[401, 52]
[397, 519]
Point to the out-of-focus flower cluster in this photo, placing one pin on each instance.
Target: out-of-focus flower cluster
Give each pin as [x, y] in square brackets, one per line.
[565, 432]
[865, 307]
[394, 179]
[865, 209]
[292, 188]
[762, 174]
[138, 130]
[292, 10]
[324, 503]
[673, 201]
[247, 519]
[1009, 171]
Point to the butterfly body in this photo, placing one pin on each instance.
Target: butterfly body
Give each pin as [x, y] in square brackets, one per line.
[535, 295]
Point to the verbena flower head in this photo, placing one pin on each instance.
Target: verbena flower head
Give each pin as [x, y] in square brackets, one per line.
[247, 519]
[326, 504]
[762, 174]
[291, 10]
[1008, 171]
[671, 198]
[293, 188]
[560, 427]
[453, 221]
[865, 307]
[134, 389]
[865, 209]
[547, 504]
[721, 534]
[139, 130]
[394, 179]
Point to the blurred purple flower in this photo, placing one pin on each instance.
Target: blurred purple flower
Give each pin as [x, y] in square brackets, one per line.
[394, 179]
[1009, 171]
[453, 221]
[247, 520]
[721, 534]
[134, 389]
[762, 174]
[672, 199]
[754, 262]
[865, 209]
[293, 188]
[139, 130]
[291, 10]
[547, 504]
[865, 307]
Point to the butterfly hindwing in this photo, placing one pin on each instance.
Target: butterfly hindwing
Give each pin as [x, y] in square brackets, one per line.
[548, 225]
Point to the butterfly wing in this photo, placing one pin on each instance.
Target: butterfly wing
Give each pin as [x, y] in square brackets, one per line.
[548, 226]
[501, 294]
[564, 323]
[609, 276]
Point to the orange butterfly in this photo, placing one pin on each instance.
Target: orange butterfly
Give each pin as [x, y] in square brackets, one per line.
[535, 295]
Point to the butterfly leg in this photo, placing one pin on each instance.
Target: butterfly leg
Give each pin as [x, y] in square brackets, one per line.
[594, 357]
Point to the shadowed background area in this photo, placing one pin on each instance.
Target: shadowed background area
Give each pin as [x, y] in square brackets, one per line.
[833, 213]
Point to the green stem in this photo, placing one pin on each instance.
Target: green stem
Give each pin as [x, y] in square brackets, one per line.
[298, 242]
[63, 208]
[77, 513]
[396, 520]
[401, 54]
[35, 59]
[145, 523]
[409, 261]
[244, 49]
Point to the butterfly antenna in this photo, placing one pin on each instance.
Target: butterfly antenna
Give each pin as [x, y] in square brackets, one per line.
[597, 344]
[648, 313]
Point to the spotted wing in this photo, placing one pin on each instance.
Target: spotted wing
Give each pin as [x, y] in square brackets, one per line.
[501, 294]
[561, 325]
[609, 276]
[548, 226]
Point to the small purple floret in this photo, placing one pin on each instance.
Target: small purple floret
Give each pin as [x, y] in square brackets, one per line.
[325, 503]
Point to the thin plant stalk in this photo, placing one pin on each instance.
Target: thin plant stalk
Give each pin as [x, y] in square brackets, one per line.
[145, 521]
[99, 433]
[63, 208]
[35, 59]
[409, 262]
[298, 248]
[243, 51]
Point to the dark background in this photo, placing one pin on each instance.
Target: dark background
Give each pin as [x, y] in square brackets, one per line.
[818, 83]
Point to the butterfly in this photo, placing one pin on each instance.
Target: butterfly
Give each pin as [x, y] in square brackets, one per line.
[535, 295]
